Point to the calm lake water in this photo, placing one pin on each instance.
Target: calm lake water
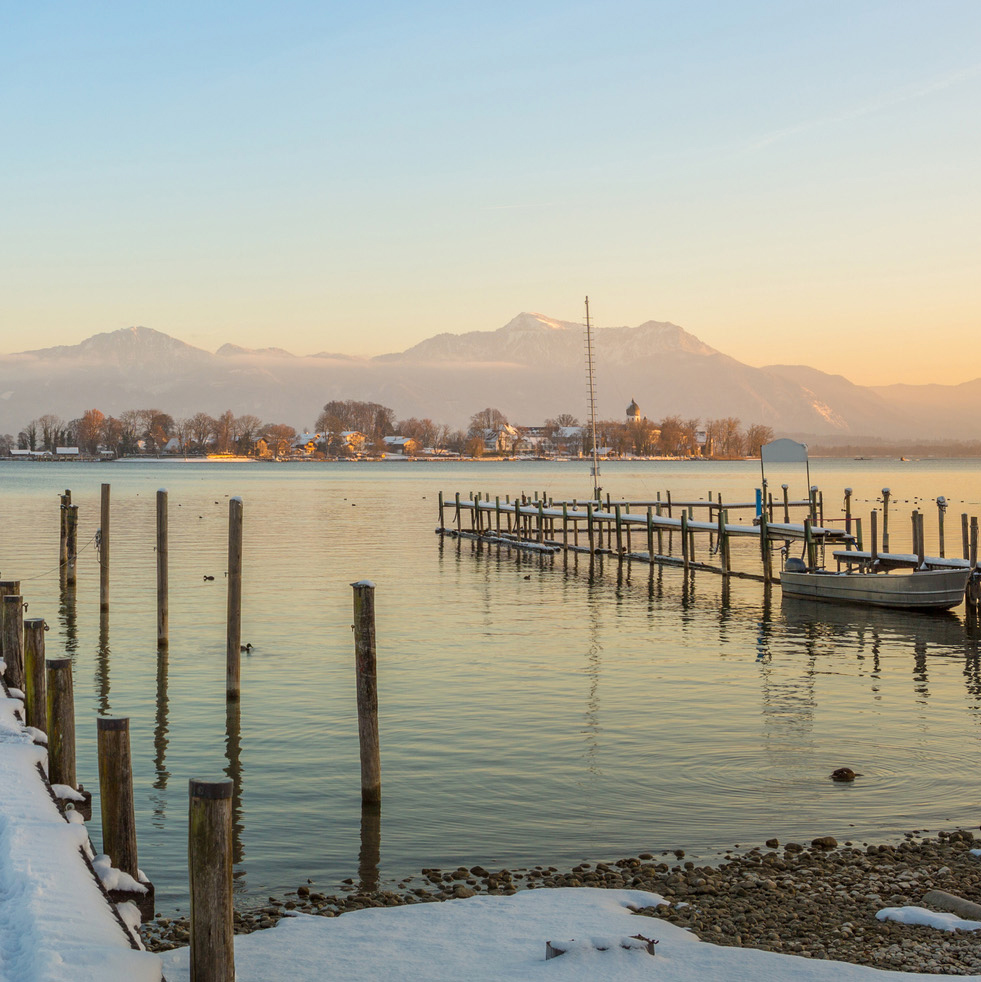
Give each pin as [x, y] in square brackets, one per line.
[574, 715]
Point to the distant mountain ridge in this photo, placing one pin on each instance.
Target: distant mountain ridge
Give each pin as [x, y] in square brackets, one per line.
[531, 368]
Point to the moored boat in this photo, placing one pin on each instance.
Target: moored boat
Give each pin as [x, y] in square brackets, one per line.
[922, 589]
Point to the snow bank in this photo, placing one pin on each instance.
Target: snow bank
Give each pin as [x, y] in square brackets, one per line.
[488, 939]
[55, 922]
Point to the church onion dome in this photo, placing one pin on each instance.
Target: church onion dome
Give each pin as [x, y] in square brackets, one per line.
[633, 410]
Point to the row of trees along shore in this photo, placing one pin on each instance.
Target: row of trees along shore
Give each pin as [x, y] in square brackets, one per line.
[152, 431]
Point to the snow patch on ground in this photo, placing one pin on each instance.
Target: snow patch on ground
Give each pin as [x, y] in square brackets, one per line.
[489, 939]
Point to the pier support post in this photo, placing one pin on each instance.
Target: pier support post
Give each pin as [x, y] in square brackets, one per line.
[104, 548]
[163, 610]
[874, 537]
[441, 511]
[965, 541]
[650, 534]
[920, 545]
[35, 699]
[233, 641]
[13, 640]
[8, 588]
[848, 515]
[809, 543]
[974, 543]
[685, 561]
[209, 866]
[885, 519]
[941, 512]
[60, 722]
[116, 792]
[786, 504]
[589, 527]
[619, 529]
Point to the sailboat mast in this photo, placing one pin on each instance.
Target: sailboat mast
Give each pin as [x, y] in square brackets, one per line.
[591, 379]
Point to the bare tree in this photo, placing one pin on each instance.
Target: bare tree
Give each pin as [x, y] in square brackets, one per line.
[487, 419]
[756, 436]
[50, 427]
[202, 427]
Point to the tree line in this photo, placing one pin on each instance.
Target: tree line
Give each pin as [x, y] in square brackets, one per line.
[344, 424]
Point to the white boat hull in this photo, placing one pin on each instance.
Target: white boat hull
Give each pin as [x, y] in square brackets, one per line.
[935, 589]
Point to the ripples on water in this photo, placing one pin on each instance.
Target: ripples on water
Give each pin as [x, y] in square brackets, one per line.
[583, 713]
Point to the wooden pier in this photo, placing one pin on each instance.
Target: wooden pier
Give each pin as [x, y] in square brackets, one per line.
[693, 534]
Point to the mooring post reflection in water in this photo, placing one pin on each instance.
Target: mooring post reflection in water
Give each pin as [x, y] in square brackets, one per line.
[68, 613]
[233, 754]
[369, 858]
[102, 664]
[160, 722]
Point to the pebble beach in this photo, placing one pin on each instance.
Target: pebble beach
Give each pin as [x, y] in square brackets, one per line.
[816, 899]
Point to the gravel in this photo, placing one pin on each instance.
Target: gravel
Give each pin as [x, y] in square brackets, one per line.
[817, 899]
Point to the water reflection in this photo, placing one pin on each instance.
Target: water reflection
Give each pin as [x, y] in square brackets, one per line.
[102, 665]
[68, 614]
[369, 856]
[233, 769]
[161, 728]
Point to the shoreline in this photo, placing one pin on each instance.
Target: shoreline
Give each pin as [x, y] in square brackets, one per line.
[817, 899]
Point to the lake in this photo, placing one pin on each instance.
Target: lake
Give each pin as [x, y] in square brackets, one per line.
[532, 710]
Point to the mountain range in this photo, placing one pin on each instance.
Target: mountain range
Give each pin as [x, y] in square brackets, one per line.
[530, 369]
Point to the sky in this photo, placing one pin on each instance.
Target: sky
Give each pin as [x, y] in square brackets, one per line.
[792, 182]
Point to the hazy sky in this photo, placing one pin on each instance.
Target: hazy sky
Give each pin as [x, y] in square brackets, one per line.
[793, 182]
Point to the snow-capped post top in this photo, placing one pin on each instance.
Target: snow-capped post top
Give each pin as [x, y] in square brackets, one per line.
[236, 498]
[161, 490]
[364, 583]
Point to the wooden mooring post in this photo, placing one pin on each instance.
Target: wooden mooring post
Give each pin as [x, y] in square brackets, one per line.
[941, 512]
[7, 588]
[233, 640]
[365, 664]
[13, 640]
[116, 793]
[60, 721]
[71, 529]
[66, 500]
[965, 541]
[163, 611]
[104, 528]
[35, 699]
[209, 866]
[848, 514]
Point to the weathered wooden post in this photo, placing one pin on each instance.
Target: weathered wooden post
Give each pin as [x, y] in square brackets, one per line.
[163, 611]
[565, 526]
[660, 531]
[885, 519]
[456, 500]
[941, 512]
[209, 865]
[13, 640]
[367, 683]
[8, 588]
[589, 527]
[497, 515]
[66, 500]
[725, 544]
[104, 548]
[786, 504]
[541, 520]
[820, 500]
[71, 528]
[858, 535]
[920, 546]
[874, 537]
[60, 722]
[650, 533]
[765, 554]
[809, 543]
[116, 792]
[619, 528]
[35, 699]
[812, 503]
[964, 536]
[848, 515]
[685, 561]
[233, 643]
[441, 511]
[974, 543]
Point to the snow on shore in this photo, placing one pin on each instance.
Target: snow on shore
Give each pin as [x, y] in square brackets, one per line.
[490, 939]
[55, 923]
